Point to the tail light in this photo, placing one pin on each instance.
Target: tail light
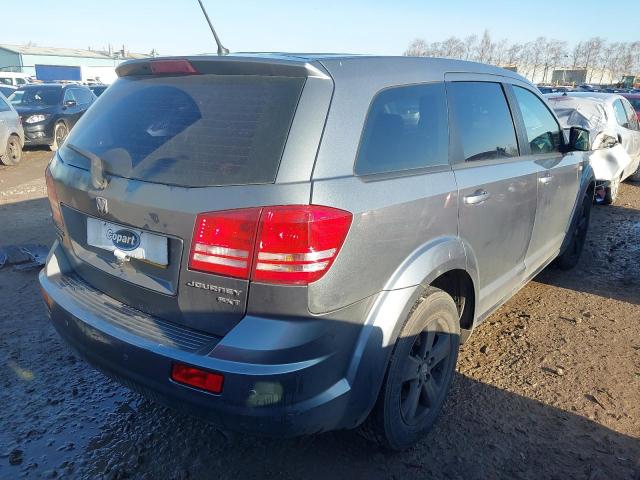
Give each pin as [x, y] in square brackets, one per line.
[293, 245]
[53, 199]
[223, 242]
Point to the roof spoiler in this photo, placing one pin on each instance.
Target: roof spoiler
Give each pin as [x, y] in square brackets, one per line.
[227, 65]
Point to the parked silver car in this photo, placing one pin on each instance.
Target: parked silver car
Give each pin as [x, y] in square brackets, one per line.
[614, 132]
[11, 134]
[288, 244]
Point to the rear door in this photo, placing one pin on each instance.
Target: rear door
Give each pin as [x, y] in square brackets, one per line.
[497, 187]
[173, 146]
[558, 174]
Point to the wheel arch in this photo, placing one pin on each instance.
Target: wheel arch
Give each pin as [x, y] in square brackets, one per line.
[441, 263]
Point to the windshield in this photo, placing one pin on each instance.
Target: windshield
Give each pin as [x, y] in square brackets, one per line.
[196, 130]
[37, 96]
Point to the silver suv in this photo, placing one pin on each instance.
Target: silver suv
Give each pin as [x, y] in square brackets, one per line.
[288, 244]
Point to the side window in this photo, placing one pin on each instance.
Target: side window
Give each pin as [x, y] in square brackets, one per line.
[83, 96]
[483, 120]
[632, 116]
[406, 128]
[4, 106]
[621, 114]
[21, 81]
[68, 95]
[543, 132]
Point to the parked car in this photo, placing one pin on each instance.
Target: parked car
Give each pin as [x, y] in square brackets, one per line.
[634, 100]
[11, 134]
[550, 89]
[49, 111]
[14, 79]
[7, 90]
[98, 89]
[615, 134]
[287, 245]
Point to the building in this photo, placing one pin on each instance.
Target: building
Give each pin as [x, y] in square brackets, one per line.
[564, 76]
[94, 64]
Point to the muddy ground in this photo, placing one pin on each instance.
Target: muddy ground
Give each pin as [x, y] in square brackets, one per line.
[547, 388]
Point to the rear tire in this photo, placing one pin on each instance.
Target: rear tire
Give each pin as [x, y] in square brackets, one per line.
[13, 151]
[571, 256]
[418, 375]
[60, 132]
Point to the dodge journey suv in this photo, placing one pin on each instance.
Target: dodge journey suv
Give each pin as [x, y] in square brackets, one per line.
[288, 244]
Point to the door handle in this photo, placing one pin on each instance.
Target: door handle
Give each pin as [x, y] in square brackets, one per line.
[546, 179]
[477, 197]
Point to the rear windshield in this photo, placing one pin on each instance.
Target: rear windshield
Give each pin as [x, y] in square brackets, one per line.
[38, 96]
[194, 130]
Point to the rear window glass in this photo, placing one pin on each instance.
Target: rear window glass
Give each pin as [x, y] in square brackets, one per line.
[38, 96]
[195, 130]
[406, 128]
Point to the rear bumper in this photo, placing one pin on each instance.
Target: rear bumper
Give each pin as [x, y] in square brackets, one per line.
[299, 389]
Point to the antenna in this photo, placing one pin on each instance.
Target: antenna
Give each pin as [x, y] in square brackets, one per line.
[221, 49]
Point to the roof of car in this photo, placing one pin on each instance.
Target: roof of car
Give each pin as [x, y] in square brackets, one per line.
[602, 96]
[404, 67]
[51, 85]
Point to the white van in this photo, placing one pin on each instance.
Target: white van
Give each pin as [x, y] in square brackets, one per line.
[13, 78]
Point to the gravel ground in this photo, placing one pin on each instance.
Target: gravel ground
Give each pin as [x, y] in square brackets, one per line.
[547, 387]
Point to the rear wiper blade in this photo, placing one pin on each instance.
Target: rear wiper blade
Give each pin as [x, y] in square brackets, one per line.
[97, 168]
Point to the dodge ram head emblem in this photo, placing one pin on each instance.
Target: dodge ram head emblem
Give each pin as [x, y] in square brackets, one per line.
[103, 207]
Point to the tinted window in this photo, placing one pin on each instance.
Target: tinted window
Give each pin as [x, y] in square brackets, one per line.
[37, 96]
[4, 106]
[406, 128]
[483, 120]
[543, 132]
[83, 96]
[21, 81]
[195, 130]
[621, 114]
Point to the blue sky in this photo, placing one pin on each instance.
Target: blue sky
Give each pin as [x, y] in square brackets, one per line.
[374, 26]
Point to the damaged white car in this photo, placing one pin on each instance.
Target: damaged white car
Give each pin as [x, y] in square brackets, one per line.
[614, 133]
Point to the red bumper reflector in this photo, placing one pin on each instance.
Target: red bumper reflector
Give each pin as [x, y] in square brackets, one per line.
[194, 377]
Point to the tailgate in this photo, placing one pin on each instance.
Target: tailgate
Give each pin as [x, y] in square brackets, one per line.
[171, 147]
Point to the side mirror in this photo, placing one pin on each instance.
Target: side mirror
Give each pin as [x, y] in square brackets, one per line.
[70, 103]
[579, 139]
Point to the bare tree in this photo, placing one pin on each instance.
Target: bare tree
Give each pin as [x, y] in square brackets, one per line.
[541, 57]
[417, 48]
[470, 43]
[593, 50]
[513, 54]
[485, 48]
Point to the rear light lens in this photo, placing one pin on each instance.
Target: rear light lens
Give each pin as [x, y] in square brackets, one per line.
[197, 378]
[293, 245]
[298, 244]
[159, 67]
[53, 199]
[223, 242]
